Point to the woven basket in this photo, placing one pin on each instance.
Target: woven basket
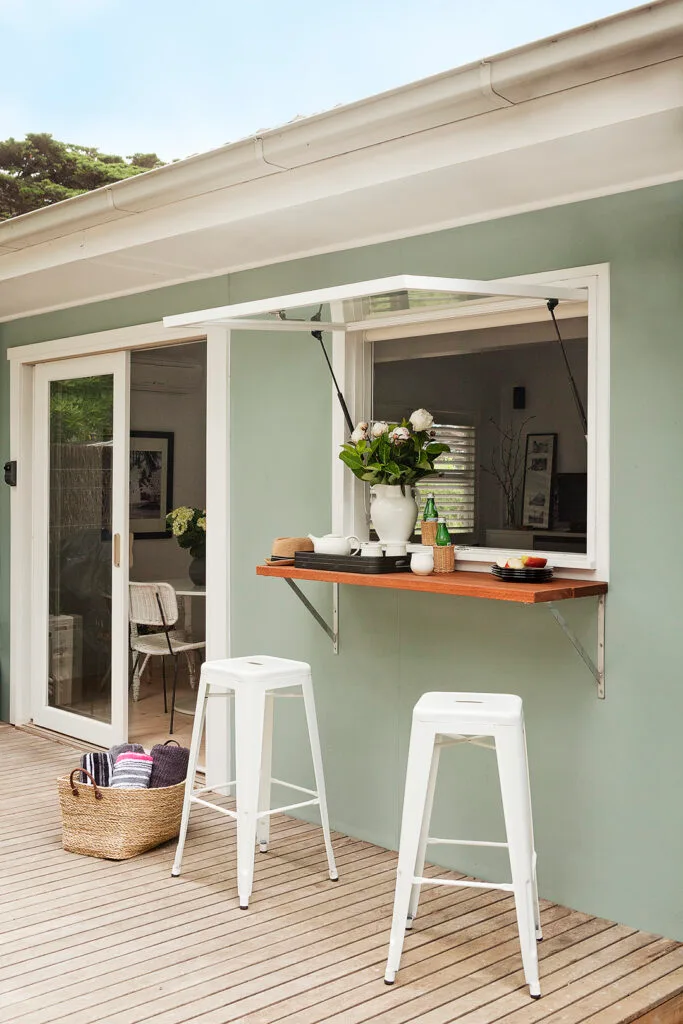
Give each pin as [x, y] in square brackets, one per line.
[117, 823]
[444, 558]
[428, 532]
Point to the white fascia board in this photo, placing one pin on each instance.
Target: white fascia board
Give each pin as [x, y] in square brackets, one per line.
[362, 289]
[569, 115]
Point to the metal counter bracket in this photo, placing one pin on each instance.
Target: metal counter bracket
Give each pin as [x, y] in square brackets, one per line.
[598, 671]
[333, 630]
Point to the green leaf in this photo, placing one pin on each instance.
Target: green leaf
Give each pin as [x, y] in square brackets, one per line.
[352, 460]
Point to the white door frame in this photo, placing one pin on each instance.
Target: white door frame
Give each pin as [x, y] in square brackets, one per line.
[22, 360]
[116, 365]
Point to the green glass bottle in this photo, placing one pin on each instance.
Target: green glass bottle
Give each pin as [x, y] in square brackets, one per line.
[443, 537]
[430, 515]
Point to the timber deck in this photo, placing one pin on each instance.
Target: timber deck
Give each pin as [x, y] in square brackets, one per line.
[87, 941]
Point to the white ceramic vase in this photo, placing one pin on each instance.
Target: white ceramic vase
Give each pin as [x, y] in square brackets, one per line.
[393, 513]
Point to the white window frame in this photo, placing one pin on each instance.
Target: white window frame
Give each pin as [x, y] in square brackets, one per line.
[353, 366]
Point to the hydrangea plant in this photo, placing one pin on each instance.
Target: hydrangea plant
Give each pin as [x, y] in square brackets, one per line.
[393, 453]
[188, 526]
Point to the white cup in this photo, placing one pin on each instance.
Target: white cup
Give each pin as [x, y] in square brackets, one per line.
[371, 549]
[395, 548]
[422, 562]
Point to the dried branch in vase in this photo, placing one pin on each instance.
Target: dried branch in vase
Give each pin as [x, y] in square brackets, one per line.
[507, 464]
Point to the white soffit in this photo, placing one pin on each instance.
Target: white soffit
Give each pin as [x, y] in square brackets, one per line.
[366, 305]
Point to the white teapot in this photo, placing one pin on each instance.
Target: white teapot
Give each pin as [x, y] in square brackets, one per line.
[335, 544]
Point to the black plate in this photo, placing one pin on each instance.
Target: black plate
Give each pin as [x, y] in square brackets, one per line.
[528, 572]
[522, 575]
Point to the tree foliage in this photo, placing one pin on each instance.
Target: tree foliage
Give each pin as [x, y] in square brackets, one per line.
[40, 170]
[81, 410]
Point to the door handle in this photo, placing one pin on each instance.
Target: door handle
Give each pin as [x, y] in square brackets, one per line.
[117, 550]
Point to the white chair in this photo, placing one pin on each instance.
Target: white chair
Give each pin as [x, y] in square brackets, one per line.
[442, 719]
[254, 682]
[156, 604]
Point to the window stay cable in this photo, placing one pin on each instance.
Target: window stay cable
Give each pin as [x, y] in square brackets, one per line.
[552, 304]
[318, 335]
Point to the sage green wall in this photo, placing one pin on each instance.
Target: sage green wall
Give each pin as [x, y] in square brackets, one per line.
[606, 776]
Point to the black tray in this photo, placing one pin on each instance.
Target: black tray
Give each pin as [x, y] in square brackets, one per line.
[351, 563]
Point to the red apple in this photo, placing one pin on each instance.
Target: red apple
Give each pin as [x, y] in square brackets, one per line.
[532, 562]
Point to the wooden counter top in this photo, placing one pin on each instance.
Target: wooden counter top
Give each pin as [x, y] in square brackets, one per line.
[459, 583]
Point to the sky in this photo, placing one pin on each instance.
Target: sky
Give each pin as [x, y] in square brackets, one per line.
[178, 77]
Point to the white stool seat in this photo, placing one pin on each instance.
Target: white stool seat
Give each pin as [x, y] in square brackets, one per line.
[259, 669]
[469, 714]
[254, 681]
[441, 719]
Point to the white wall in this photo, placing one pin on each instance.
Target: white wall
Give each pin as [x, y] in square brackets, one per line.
[182, 368]
[476, 387]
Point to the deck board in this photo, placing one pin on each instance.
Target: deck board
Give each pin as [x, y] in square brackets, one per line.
[86, 941]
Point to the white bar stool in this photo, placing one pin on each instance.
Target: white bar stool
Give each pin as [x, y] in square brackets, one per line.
[253, 681]
[443, 719]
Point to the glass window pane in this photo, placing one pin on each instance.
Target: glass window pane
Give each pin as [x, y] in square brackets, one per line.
[80, 575]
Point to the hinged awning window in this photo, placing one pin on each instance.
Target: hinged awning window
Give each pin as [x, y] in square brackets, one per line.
[372, 304]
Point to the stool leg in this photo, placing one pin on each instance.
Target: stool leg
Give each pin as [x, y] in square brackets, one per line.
[424, 835]
[537, 909]
[197, 729]
[420, 759]
[314, 738]
[249, 721]
[264, 804]
[512, 769]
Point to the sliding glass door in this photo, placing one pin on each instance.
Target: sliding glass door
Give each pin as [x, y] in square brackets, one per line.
[80, 564]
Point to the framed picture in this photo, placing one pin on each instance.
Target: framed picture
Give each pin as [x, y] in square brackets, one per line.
[539, 467]
[151, 482]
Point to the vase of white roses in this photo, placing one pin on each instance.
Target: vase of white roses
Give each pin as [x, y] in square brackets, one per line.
[188, 526]
[392, 457]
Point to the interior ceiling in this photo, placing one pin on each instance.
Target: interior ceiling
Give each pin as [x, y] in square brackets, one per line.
[608, 159]
[441, 346]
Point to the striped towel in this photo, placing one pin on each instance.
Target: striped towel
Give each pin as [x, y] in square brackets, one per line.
[131, 771]
[123, 748]
[100, 766]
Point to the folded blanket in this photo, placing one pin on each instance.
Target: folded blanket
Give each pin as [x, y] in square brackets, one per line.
[169, 765]
[100, 766]
[131, 771]
[123, 748]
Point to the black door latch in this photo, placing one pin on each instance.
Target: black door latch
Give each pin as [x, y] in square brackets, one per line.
[11, 473]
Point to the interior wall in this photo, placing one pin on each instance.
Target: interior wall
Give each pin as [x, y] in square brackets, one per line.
[476, 388]
[180, 408]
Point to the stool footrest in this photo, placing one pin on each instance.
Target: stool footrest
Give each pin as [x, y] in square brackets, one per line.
[505, 886]
[290, 785]
[212, 789]
[214, 807]
[466, 842]
[289, 807]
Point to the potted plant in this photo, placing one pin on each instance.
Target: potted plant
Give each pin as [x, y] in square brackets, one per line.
[392, 457]
[188, 526]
